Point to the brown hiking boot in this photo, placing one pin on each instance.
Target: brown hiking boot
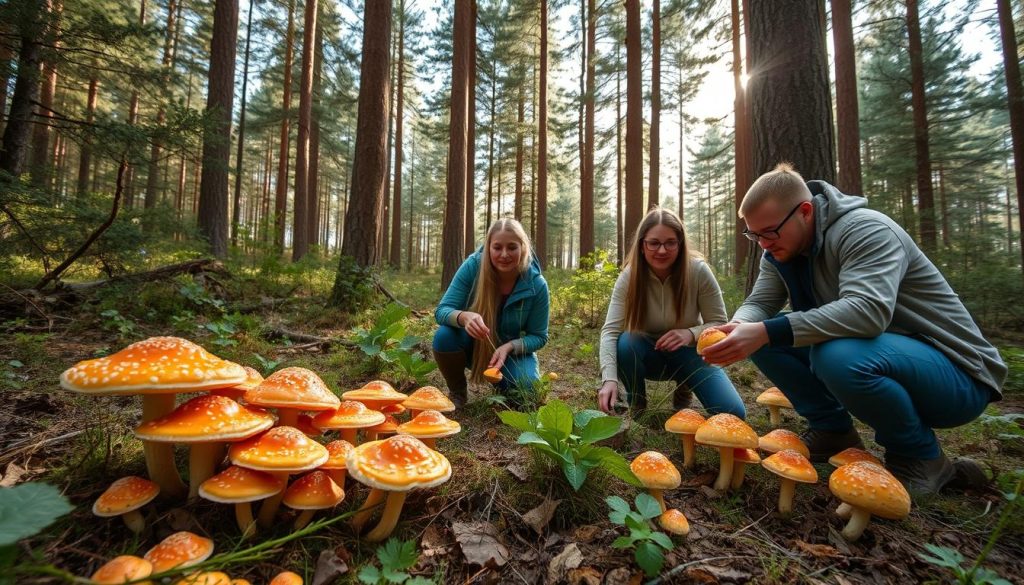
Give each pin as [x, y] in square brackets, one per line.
[929, 476]
[452, 365]
[682, 397]
[824, 444]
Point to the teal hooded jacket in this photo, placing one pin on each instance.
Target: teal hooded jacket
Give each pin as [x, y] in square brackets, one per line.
[524, 316]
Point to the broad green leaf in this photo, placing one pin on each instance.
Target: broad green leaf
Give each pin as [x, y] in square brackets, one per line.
[419, 581]
[557, 417]
[517, 420]
[943, 556]
[615, 464]
[584, 417]
[370, 575]
[622, 542]
[649, 557]
[648, 506]
[28, 508]
[408, 342]
[600, 428]
[983, 575]
[618, 504]
[661, 539]
[369, 349]
[636, 523]
[575, 473]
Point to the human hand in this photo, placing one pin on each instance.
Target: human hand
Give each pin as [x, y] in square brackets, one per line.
[501, 353]
[742, 340]
[474, 325]
[606, 396]
[674, 339]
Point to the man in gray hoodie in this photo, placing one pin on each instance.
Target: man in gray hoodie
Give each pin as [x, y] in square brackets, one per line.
[874, 331]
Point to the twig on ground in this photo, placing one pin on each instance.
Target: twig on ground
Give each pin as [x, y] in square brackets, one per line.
[680, 568]
[755, 522]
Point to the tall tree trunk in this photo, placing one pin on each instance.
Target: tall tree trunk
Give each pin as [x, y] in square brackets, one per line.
[133, 119]
[313, 211]
[541, 217]
[453, 232]
[26, 91]
[412, 200]
[655, 175]
[925, 197]
[493, 128]
[395, 259]
[362, 217]
[587, 194]
[40, 167]
[237, 203]
[281, 188]
[618, 152]
[300, 226]
[847, 114]
[741, 142]
[213, 190]
[517, 205]
[634, 122]
[6, 54]
[470, 237]
[383, 233]
[161, 115]
[85, 150]
[1015, 104]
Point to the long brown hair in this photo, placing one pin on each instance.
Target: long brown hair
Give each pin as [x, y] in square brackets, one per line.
[636, 292]
[485, 298]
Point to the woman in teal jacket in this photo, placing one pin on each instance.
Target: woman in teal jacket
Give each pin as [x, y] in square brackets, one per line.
[494, 315]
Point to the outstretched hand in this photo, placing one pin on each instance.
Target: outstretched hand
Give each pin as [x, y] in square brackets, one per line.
[674, 339]
[606, 396]
[500, 355]
[742, 339]
[474, 325]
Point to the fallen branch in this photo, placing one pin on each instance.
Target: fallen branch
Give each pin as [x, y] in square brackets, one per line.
[308, 340]
[193, 267]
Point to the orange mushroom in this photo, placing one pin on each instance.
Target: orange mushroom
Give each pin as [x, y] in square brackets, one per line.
[348, 418]
[741, 458]
[123, 569]
[124, 497]
[780, 440]
[311, 492]
[775, 400]
[707, 338]
[181, 549]
[727, 432]
[685, 424]
[657, 473]
[240, 486]
[849, 456]
[428, 398]
[428, 426]
[675, 522]
[286, 578]
[869, 490]
[792, 467]
[291, 391]
[335, 466]
[376, 395]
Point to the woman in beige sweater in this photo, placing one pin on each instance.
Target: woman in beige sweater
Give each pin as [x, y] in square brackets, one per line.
[664, 297]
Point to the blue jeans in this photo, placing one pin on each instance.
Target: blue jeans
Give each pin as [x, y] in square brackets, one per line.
[519, 372]
[899, 386]
[638, 361]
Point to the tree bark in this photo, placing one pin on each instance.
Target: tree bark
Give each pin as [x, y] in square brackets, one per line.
[541, 219]
[847, 113]
[85, 150]
[587, 192]
[281, 187]
[313, 209]
[453, 231]
[470, 236]
[395, 259]
[925, 195]
[634, 122]
[1015, 104]
[133, 119]
[161, 115]
[300, 226]
[653, 197]
[237, 203]
[40, 167]
[741, 143]
[517, 204]
[26, 91]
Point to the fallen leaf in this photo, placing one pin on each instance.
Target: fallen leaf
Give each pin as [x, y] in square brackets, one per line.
[584, 576]
[710, 493]
[329, 567]
[728, 574]
[618, 576]
[699, 480]
[491, 434]
[12, 475]
[699, 575]
[518, 471]
[586, 533]
[481, 544]
[817, 550]
[569, 558]
[539, 517]
[432, 542]
[837, 540]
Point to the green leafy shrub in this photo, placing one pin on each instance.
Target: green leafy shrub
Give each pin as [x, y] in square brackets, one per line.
[25, 510]
[353, 285]
[585, 299]
[569, 440]
[267, 365]
[396, 558]
[114, 321]
[412, 366]
[645, 540]
[386, 334]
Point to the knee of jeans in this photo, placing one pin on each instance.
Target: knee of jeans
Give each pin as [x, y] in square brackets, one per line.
[448, 338]
[630, 347]
[836, 361]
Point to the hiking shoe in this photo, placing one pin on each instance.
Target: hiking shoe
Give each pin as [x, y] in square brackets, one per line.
[967, 475]
[824, 444]
[921, 476]
[682, 397]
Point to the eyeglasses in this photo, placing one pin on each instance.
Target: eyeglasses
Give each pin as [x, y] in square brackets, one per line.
[669, 245]
[770, 235]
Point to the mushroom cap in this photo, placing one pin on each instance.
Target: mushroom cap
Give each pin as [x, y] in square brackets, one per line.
[781, 439]
[205, 578]
[158, 365]
[748, 456]
[850, 455]
[206, 419]
[124, 495]
[397, 464]
[726, 430]
[337, 453]
[655, 471]
[240, 582]
[392, 409]
[429, 398]
[236, 485]
[296, 388]
[791, 465]
[313, 491]
[430, 424]
[252, 380]
[286, 578]
[121, 570]
[674, 521]
[774, 397]
[376, 395]
[709, 337]
[390, 425]
[281, 449]
[684, 422]
[493, 375]
[181, 549]
[871, 487]
[350, 414]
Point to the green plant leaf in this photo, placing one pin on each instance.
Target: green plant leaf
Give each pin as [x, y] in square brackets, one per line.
[622, 542]
[943, 556]
[419, 581]
[517, 420]
[575, 473]
[648, 506]
[370, 575]
[600, 428]
[661, 539]
[397, 554]
[27, 509]
[556, 417]
[583, 417]
[649, 557]
[615, 464]
[619, 509]
[983, 575]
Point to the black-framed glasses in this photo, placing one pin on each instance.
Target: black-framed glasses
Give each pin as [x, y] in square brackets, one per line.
[770, 235]
[669, 245]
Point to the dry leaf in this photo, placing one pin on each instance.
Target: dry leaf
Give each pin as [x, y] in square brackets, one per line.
[539, 517]
[700, 575]
[481, 544]
[618, 576]
[728, 574]
[699, 480]
[432, 542]
[329, 567]
[710, 493]
[584, 576]
[569, 558]
[12, 475]
[817, 550]
[837, 540]
[586, 533]
[491, 434]
[518, 471]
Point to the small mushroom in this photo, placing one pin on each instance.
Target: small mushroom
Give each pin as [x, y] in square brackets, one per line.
[741, 458]
[849, 456]
[205, 578]
[240, 486]
[656, 473]
[311, 492]
[775, 400]
[780, 440]
[727, 432]
[493, 375]
[286, 578]
[335, 466]
[868, 489]
[428, 426]
[685, 424]
[181, 549]
[123, 569]
[384, 429]
[709, 337]
[792, 467]
[348, 418]
[428, 398]
[376, 395]
[124, 497]
[675, 522]
[291, 391]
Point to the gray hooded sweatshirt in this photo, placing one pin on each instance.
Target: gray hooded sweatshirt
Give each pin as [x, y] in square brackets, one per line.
[863, 276]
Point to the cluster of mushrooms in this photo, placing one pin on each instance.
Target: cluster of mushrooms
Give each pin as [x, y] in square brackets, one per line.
[269, 430]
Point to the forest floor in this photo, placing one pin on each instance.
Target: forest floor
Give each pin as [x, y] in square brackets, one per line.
[505, 516]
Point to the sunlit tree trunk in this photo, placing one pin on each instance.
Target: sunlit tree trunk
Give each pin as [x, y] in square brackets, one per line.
[453, 231]
[395, 259]
[847, 114]
[493, 128]
[237, 200]
[618, 152]
[654, 197]
[313, 210]
[40, 167]
[587, 194]
[634, 122]
[925, 196]
[1015, 104]
[541, 217]
[741, 144]
[281, 193]
[517, 206]
[470, 237]
[300, 225]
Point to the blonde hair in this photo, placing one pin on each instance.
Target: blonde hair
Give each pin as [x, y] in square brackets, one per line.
[782, 184]
[485, 297]
[636, 291]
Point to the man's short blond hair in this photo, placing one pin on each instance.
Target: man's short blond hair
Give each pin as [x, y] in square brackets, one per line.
[783, 185]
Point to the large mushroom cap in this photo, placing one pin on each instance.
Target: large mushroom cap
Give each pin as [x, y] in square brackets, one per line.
[252, 380]
[349, 414]
[205, 578]
[337, 454]
[791, 465]
[122, 569]
[851, 455]
[727, 430]
[181, 549]
[295, 388]
[655, 471]
[313, 491]
[376, 395]
[237, 484]
[684, 422]
[707, 338]
[281, 449]
[774, 397]
[124, 495]
[870, 487]
[286, 578]
[398, 464]
[430, 424]
[205, 419]
[675, 522]
[429, 398]
[780, 440]
[158, 365]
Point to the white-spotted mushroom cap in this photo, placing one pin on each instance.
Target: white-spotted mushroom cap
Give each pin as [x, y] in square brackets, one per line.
[281, 449]
[655, 471]
[397, 464]
[181, 549]
[675, 522]
[123, 569]
[850, 455]
[338, 452]
[684, 422]
[870, 487]
[774, 397]
[791, 465]
[429, 398]
[313, 491]
[294, 388]
[286, 578]
[350, 414]
[158, 365]
[206, 419]
[709, 337]
[376, 395]
[124, 495]
[727, 430]
[205, 578]
[430, 424]
[237, 485]
[782, 439]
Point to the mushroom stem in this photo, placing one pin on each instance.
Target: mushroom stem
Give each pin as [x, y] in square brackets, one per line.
[338, 475]
[859, 519]
[392, 509]
[271, 504]
[243, 515]
[430, 442]
[372, 499]
[738, 471]
[844, 510]
[350, 436]
[160, 456]
[133, 520]
[202, 464]
[725, 473]
[371, 435]
[656, 494]
[304, 519]
[689, 451]
[287, 417]
[774, 416]
[786, 492]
